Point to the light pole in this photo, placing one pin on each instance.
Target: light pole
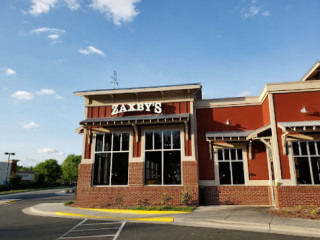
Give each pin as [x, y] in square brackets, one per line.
[9, 154]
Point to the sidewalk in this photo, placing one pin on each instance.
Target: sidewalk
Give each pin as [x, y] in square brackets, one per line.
[246, 218]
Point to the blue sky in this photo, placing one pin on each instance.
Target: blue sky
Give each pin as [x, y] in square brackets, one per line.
[51, 48]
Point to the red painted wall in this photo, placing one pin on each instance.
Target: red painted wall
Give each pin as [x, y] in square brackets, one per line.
[167, 108]
[265, 111]
[287, 109]
[214, 119]
[258, 165]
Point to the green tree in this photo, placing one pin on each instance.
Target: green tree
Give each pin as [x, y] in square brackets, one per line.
[70, 167]
[50, 169]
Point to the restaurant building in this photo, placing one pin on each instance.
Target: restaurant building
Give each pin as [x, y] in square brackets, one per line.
[146, 145]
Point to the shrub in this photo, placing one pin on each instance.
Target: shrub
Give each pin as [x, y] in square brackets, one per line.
[165, 199]
[69, 202]
[185, 198]
[14, 181]
[3, 188]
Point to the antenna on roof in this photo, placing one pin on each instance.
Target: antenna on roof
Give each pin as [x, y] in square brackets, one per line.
[114, 78]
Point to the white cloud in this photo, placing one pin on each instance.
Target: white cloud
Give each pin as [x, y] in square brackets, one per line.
[59, 97]
[266, 13]
[54, 36]
[46, 29]
[117, 10]
[90, 50]
[50, 151]
[45, 92]
[72, 4]
[10, 71]
[44, 6]
[22, 95]
[245, 93]
[29, 125]
[47, 150]
[250, 12]
[41, 6]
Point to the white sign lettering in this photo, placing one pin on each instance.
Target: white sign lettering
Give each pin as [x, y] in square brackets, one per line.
[136, 107]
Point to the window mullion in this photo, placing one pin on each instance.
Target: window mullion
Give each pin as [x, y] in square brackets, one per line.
[310, 164]
[230, 165]
[111, 158]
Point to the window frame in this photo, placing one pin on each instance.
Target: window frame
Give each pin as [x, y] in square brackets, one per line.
[230, 161]
[308, 155]
[162, 150]
[94, 152]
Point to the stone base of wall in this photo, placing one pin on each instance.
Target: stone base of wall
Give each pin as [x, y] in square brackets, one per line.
[135, 193]
[235, 195]
[289, 196]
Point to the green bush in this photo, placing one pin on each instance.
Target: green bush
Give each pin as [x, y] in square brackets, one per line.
[185, 198]
[14, 182]
[165, 199]
[3, 188]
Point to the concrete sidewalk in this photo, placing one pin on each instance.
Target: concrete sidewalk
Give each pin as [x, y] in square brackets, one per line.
[246, 218]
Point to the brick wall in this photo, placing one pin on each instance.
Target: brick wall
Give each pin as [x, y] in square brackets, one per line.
[289, 196]
[235, 195]
[135, 193]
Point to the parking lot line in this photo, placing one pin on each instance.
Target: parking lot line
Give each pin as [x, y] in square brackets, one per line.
[72, 229]
[119, 231]
[77, 233]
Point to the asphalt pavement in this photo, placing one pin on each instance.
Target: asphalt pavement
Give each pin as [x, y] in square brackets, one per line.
[213, 222]
[246, 218]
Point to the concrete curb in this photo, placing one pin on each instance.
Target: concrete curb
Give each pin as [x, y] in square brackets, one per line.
[252, 227]
[271, 226]
[37, 212]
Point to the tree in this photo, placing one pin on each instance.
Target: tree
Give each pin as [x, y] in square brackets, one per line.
[70, 167]
[50, 169]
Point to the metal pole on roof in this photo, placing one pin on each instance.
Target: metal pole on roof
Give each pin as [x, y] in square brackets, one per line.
[114, 78]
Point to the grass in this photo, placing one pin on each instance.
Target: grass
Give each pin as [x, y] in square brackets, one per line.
[27, 190]
[166, 208]
[67, 203]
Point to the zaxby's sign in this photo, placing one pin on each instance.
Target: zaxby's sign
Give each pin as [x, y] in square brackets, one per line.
[136, 107]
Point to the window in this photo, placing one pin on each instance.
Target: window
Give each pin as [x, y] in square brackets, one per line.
[230, 162]
[162, 158]
[111, 159]
[307, 161]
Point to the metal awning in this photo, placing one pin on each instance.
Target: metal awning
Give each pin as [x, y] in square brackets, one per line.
[260, 131]
[300, 125]
[137, 120]
[228, 136]
[303, 128]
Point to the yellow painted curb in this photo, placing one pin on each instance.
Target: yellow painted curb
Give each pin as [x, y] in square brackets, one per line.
[10, 201]
[132, 211]
[159, 219]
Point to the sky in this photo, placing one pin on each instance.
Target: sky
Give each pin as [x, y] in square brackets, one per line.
[52, 48]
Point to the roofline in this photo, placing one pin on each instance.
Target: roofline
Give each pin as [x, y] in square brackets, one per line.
[141, 89]
[311, 70]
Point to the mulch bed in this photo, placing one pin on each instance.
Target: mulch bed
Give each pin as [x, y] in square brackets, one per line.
[305, 212]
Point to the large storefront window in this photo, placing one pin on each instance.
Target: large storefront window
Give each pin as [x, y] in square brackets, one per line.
[307, 162]
[162, 158]
[111, 159]
[230, 161]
